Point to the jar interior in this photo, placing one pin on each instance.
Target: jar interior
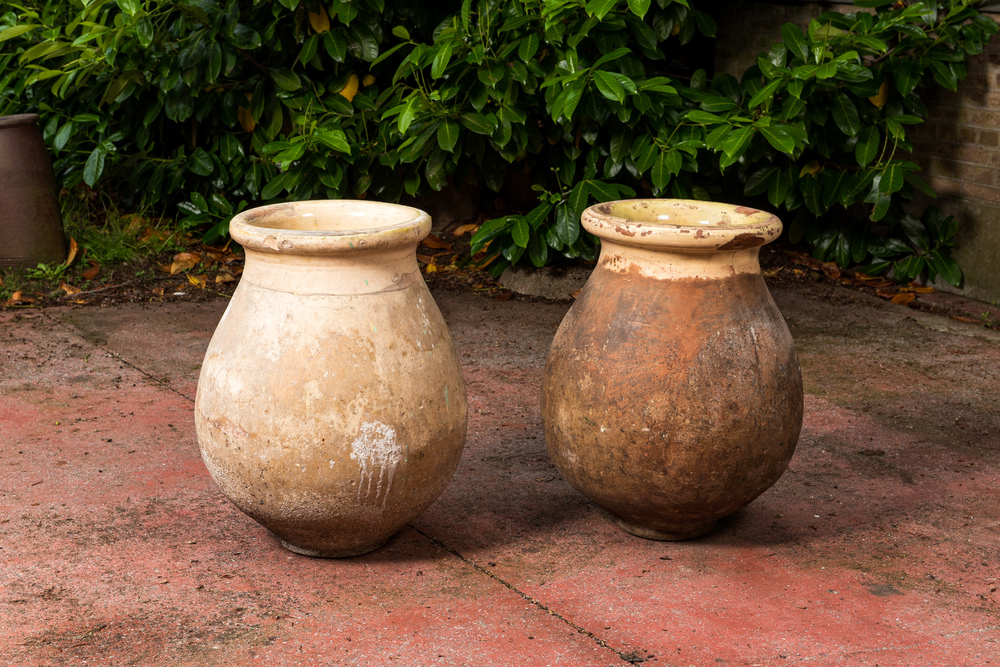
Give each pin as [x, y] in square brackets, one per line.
[675, 213]
[336, 217]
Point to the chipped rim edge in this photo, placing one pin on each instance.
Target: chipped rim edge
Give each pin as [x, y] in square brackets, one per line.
[753, 229]
[250, 230]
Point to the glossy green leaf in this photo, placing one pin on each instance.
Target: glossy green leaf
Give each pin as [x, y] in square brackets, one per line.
[660, 171]
[528, 47]
[199, 201]
[93, 167]
[16, 31]
[639, 7]
[578, 198]
[845, 114]
[479, 123]
[447, 135]
[214, 66]
[285, 79]
[273, 187]
[245, 37]
[520, 231]
[608, 86]
[441, 60]
[567, 226]
[778, 138]
[130, 7]
[62, 136]
[200, 162]
[765, 93]
[538, 250]
[946, 267]
[600, 8]
[230, 147]
[892, 179]
[144, 32]
[869, 141]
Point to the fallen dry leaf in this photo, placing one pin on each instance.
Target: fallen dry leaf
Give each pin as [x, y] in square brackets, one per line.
[198, 281]
[465, 229]
[183, 261]
[963, 318]
[71, 253]
[903, 298]
[771, 273]
[431, 268]
[433, 241]
[158, 291]
[91, 273]
[224, 277]
[830, 269]
[880, 283]
[18, 299]
[886, 294]
[424, 259]
[69, 289]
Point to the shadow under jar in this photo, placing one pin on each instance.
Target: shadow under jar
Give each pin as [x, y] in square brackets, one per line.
[331, 407]
[672, 394]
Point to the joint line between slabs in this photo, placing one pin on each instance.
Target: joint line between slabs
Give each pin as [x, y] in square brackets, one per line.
[117, 356]
[583, 631]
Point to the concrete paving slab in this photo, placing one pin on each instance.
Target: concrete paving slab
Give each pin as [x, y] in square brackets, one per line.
[880, 545]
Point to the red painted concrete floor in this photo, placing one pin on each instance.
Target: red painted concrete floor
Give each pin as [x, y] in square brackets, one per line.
[879, 546]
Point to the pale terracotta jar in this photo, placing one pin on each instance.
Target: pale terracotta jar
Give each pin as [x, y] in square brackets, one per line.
[331, 407]
[672, 395]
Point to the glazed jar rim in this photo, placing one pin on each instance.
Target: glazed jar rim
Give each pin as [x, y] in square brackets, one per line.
[260, 229]
[18, 120]
[681, 224]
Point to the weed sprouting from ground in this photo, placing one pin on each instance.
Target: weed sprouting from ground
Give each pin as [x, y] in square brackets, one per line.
[107, 236]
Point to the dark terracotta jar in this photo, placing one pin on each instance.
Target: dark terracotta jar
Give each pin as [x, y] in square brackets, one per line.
[30, 222]
[672, 395]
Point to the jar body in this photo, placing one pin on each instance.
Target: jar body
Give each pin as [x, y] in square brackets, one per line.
[331, 407]
[672, 395]
[30, 221]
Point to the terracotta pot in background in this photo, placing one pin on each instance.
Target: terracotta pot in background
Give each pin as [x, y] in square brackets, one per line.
[331, 407]
[30, 221]
[672, 395]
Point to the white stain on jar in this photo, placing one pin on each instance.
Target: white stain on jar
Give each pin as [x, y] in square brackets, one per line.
[377, 453]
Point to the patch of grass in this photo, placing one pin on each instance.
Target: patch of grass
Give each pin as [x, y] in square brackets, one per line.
[107, 236]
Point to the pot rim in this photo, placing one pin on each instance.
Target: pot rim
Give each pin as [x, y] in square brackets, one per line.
[697, 226]
[260, 229]
[18, 120]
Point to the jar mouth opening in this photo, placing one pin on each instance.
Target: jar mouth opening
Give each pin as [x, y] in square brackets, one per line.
[323, 226]
[681, 224]
[341, 217]
[677, 213]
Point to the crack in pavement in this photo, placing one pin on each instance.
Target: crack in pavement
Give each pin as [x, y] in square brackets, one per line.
[115, 355]
[627, 657]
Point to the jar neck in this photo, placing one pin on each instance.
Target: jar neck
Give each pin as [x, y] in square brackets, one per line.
[337, 273]
[677, 264]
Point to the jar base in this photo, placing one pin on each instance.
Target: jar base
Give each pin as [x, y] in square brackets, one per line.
[671, 533]
[334, 553]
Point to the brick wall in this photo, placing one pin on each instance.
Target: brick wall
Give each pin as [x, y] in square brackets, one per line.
[958, 148]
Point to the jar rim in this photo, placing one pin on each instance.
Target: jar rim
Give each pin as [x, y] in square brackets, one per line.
[329, 226]
[681, 224]
[18, 120]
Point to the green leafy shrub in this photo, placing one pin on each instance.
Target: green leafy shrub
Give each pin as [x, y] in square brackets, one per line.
[214, 106]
